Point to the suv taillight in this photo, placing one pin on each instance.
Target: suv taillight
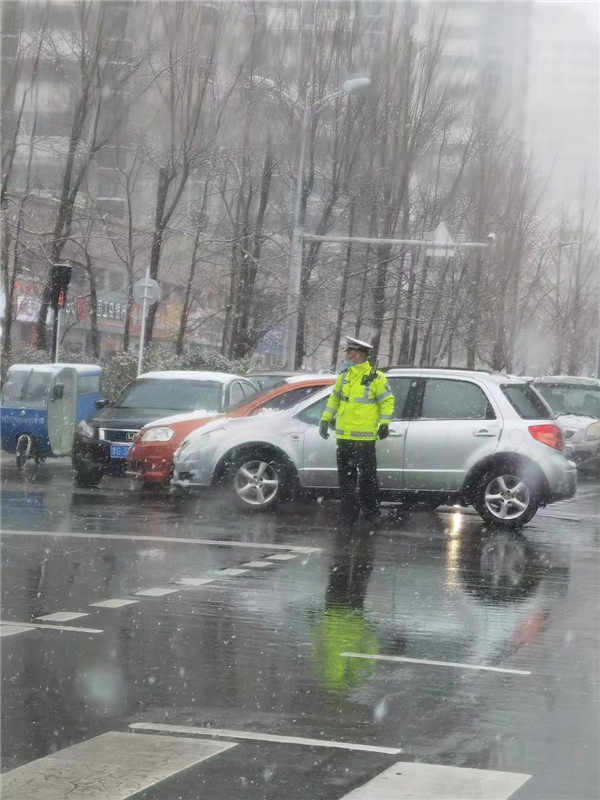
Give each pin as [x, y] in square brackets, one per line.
[547, 434]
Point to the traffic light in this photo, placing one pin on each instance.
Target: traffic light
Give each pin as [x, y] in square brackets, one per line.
[59, 283]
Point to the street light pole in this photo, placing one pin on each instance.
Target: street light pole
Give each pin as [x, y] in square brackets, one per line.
[295, 256]
[290, 336]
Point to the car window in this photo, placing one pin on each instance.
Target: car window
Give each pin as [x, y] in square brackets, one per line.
[88, 384]
[288, 399]
[567, 398]
[400, 388]
[526, 402]
[171, 395]
[28, 389]
[312, 415]
[452, 399]
[268, 381]
[236, 393]
[249, 389]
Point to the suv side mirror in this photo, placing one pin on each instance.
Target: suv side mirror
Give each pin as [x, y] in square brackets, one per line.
[102, 403]
[58, 391]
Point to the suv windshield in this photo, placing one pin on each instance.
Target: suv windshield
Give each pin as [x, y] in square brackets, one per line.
[26, 388]
[172, 395]
[572, 399]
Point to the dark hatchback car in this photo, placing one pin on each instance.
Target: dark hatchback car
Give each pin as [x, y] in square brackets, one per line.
[103, 440]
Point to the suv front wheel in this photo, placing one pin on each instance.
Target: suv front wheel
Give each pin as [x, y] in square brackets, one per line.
[506, 498]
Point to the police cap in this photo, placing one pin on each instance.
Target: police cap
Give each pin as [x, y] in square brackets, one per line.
[357, 344]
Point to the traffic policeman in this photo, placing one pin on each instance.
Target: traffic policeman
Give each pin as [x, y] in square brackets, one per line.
[362, 404]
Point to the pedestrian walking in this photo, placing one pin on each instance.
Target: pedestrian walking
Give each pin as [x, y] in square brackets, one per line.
[362, 404]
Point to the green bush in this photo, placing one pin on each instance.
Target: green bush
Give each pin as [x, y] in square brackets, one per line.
[119, 369]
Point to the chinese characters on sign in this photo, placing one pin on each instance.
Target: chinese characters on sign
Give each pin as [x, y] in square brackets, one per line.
[109, 310]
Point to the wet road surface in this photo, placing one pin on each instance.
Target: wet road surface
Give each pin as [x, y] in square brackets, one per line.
[219, 655]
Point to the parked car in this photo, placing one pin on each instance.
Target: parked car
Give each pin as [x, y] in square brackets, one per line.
[460, 437]
[102, 441]
[576, 402]
[151, 456]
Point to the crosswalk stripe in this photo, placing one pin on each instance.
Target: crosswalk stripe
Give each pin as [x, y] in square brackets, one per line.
[281, 557]
[113, 766]
[232, 571]
[412, 781]
[62, 616]
[116, 603]
[189, 730]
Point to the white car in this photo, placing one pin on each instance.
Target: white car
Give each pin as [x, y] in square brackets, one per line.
[457, 436]
[576, 403]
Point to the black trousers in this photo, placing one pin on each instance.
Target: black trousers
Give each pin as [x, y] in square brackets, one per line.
[357, 475]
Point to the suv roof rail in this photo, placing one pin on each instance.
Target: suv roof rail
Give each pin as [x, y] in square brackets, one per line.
[427, 366]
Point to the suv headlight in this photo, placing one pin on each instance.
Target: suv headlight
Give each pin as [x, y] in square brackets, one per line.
[86, 430]
[157, 435]
[593, 432]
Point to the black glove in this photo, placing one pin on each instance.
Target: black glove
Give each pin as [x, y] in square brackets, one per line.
[324, 429]
[384, 431]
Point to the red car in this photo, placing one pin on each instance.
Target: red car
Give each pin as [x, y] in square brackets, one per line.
[151, 455]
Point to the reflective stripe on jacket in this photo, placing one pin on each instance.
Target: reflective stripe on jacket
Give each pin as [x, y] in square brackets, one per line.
[359, 409]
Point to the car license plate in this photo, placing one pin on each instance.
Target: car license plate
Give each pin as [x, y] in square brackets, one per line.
[119, 450]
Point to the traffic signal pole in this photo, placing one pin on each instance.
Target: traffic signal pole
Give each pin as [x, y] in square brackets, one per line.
[61, 275]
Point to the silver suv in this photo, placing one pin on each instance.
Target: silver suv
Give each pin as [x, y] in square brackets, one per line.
[457, 437]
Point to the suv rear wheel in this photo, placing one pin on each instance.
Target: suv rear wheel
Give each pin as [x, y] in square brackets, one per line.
[257, 482]
[506, 498]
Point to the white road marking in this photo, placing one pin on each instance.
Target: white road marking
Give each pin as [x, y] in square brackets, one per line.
[436, 663]
[257, 564]
[189, 730]
[412, 781]
[113, 603]
[113, 766]
[231, 571]
[156, 591]
[281, 557]
[6, 629]
[52, 627]
[62, 616]
[132, 538]
[195, 581]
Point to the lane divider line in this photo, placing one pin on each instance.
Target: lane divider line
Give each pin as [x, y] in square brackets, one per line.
[156, 591]
[178, 540]
[404, 659]
[189, 730]
[52, 627]
[257, 564]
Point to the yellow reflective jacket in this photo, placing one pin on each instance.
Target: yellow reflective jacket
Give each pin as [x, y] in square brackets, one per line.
[359, 408]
